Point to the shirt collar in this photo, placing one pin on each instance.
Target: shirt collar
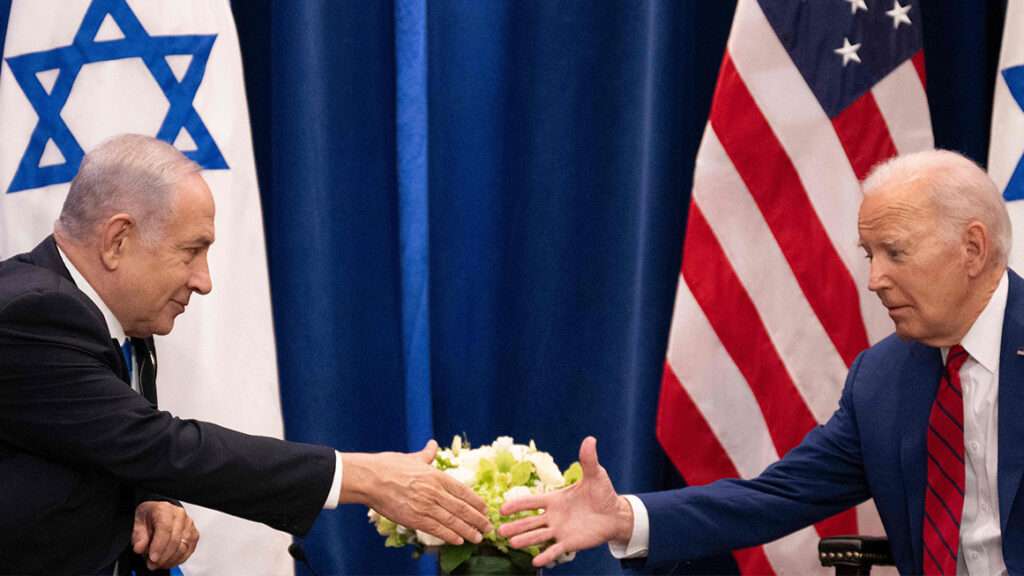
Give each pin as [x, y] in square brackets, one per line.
[116, 330]
[984, 340]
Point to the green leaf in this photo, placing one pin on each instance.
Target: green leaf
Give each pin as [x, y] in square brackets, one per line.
[573, 474]
[490, 565]
[395, 540]
[521, 473]
[452, 556]
[522, 560]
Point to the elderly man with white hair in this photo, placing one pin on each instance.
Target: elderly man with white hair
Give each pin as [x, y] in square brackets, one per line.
[88, 464]
[928, 423]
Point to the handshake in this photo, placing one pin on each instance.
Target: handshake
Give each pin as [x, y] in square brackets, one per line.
[550, 523]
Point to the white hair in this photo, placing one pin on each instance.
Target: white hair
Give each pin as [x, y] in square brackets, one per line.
[959, 189]
[131, 174]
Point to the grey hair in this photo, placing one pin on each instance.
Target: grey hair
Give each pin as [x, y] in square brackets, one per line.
[131, 174]
[959, 189]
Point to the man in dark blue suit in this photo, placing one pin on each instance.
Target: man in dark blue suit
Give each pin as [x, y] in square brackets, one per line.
[928, 423]
[87, 461]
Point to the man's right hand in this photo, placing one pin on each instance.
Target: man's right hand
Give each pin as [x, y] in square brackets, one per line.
[405, 488]
[587, 514]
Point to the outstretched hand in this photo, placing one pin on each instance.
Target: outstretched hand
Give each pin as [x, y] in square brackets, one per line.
[405, 488]
[586, 514]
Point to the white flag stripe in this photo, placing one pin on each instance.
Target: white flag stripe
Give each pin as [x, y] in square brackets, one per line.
[810, 141]
[868, 521]
[781, 553]
[800, 124]
[1006, 124]
[897, 96]
[702, 359]
[803, 345]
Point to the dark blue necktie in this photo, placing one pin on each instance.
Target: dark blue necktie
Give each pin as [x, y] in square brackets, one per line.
[126, 352]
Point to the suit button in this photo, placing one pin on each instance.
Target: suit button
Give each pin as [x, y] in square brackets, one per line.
[974, 447]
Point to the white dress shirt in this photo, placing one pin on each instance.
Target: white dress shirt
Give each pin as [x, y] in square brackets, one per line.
[981, 543]
[117, 333]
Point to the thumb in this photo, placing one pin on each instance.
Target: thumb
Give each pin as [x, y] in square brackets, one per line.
[428, 452]
[140, 536]
[588, 457]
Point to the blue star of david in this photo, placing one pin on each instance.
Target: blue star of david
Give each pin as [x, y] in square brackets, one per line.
[85, 49]
[1015, 82]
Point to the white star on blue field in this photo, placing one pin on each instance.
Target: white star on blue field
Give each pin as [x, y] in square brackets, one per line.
[85, 49]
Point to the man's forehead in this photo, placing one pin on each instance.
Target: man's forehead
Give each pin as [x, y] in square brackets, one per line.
[194, 189]
[194, 209]
[895, 211]
[909, 200]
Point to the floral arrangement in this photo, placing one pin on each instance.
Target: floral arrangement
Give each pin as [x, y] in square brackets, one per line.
[496, 472]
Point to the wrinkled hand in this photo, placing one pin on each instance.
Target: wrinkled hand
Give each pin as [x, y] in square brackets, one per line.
[164, 534]
[405, 488]
[587, 514]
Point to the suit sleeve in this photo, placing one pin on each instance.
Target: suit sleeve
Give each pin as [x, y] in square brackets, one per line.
[60, 399]
[822, 476]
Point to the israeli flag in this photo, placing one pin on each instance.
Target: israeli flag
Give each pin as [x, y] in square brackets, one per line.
[1006, 147]
[75, 72]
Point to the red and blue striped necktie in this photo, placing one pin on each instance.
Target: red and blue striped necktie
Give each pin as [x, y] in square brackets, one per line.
[944, 497]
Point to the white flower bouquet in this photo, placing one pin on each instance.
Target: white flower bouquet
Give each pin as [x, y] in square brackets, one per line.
[502, 470]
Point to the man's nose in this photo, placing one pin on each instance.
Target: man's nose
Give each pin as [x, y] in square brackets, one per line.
[201, 281]
[877, 278]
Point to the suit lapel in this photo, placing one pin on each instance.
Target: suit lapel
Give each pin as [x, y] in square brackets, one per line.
[1011, 398]
[146, 354]
[917, 393]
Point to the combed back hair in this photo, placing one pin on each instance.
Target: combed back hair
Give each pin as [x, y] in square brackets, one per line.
[131, 174]
[959, 189]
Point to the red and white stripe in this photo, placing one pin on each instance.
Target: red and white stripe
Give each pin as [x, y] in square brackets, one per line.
[772, 305]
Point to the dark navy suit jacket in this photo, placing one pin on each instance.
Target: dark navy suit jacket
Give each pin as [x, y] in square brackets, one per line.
[78, 445]
[873, 446]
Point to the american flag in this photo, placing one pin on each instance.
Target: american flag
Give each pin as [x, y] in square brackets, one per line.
[772, 305]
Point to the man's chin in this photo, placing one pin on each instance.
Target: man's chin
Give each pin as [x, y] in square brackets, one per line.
[905, 332]
[164, 328]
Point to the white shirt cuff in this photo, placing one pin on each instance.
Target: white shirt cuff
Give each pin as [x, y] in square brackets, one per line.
[335, 493]
[641, 536]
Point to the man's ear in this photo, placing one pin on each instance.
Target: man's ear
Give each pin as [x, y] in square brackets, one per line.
[977, 248]
[119, 231]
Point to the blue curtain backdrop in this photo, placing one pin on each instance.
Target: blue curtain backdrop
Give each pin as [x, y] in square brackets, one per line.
[550, 146]
[474, 215]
